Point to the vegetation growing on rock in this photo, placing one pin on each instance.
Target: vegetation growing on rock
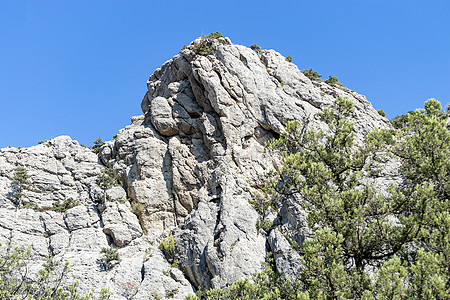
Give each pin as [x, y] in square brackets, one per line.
[255, 47]
[381, 112]
[63, 207]
[204, 46]
[21, 183]
[110, 254]
[333, 81]
[107, 179]
[367, 243]
[49, 283]
[168, 246]
[98, 143]
[311, 74]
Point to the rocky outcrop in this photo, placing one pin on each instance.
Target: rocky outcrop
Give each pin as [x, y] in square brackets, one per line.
[60, 169]
[190, 165]
[196, 157]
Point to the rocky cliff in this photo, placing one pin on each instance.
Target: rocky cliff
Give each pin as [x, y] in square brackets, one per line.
[191, 164]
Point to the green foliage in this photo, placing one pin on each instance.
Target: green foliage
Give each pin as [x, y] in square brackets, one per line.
[267, 285]
[63, 207]
[106, 179]
[289, 58]
[110, 254]
[98, 143]
[356, 227]
[137, 208]
[381, 113]
[400, 121]
[168, 246]
[333, 81]
[48, 283]
[255, 47]
[366, 244]
[171, 293]
[264, 224]
[204, 46]
[311, 74]
[20, 184]
[31, 205]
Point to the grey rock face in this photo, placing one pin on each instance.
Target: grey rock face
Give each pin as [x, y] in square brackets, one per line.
[60, 169]
[196, 157]
[120, 223]
[191, 165]
[286, 259]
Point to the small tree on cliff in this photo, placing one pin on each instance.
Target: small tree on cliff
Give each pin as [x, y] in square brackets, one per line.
[107, 179]
[98, 143]
[20, 183]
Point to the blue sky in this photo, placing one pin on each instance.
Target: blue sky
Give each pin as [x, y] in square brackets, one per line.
[80, 67]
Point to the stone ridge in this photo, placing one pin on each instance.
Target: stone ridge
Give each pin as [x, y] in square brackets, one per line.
[190, 164]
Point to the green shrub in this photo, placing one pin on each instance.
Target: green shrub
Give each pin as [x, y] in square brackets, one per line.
[267, 285]
[381, 112]
[311, 74]
[107, 179]
[171, 293]
[401, 121]
[110, 254]
[264, 224]
[137, 208]
[63, 207]
[20, 184]
[30, 204]
[204, 46]
[168, 246]
[333, 81]
[98, 143]
[289, 58]
[255, 47]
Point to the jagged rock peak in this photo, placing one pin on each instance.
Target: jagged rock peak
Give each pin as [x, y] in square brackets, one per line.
[242, 85]
[189, 166]
[196, 157]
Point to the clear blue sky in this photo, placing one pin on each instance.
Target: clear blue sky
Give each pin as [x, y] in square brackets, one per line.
[80, 67]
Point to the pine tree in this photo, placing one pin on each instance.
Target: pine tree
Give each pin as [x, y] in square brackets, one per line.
[366, 244]
[98, 143]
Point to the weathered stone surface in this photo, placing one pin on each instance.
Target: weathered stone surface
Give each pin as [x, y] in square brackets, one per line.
[287, 260]
[192, 163]
[120, 223]
[60, 169]
[226, 107]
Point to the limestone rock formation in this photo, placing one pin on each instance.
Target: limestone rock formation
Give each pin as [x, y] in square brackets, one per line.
[190, 165]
